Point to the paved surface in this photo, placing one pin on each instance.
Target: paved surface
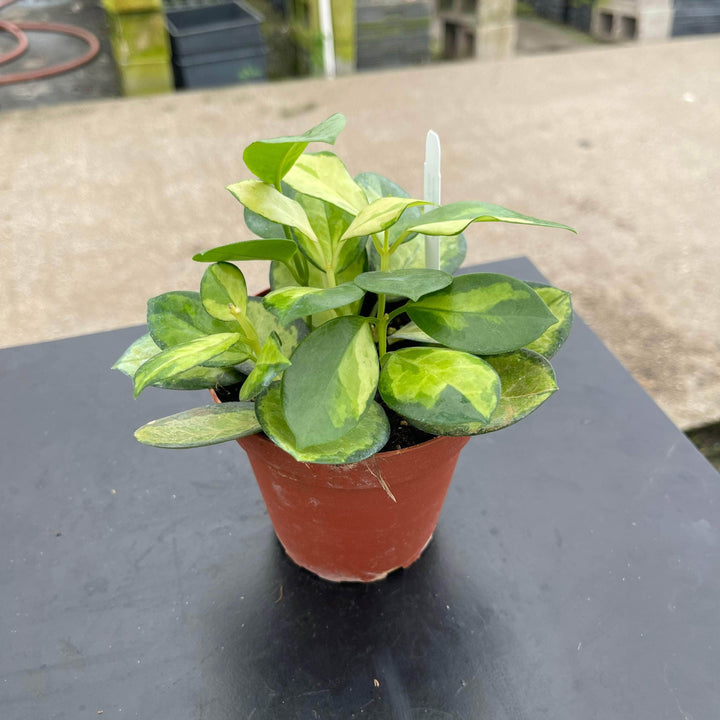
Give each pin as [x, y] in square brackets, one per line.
[539, 36]
[102, 204]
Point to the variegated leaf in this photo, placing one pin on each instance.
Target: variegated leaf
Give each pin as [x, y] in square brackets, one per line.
[454, 218]
[136, 354]
[297, 302]
[271, 159]
[262, 227]
[329, 223]
[412, 332]
[483, 313]
[201, 426]
[560, 305]
[180, 358]
[365, 439]
[411, 284]
[440, 391]
[332, 379]
[377, 186]
[223, 285]
[269, 249]
[379, 215]
[270, 364]
[265, 323]
[177, 317]
[527, 380]
[280, 277]
[411, 254]
[196, 378]
[265, 200]
[324, 176]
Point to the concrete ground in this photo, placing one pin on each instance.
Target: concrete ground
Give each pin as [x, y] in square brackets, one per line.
[102, 203]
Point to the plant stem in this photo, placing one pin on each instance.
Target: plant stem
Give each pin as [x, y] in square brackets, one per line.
[251, 336]
[399, 242]
[382, 323]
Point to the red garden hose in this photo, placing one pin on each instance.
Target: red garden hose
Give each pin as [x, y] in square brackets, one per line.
[16, 30]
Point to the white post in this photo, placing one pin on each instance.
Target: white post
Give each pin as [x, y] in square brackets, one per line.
[326, 29]
[433, 182]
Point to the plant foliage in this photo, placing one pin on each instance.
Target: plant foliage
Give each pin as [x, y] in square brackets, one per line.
[354, 324]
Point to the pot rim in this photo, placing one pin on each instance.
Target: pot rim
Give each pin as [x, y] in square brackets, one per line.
[261, 436]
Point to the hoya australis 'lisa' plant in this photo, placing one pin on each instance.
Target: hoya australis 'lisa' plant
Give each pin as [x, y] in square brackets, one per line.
[355, 332]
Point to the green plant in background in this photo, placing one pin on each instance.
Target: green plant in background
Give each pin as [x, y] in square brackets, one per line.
[354, 324]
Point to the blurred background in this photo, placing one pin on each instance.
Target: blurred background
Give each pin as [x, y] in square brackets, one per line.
[602, 114]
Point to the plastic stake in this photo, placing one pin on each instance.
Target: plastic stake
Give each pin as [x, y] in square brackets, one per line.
[433, 181]
[328, 41]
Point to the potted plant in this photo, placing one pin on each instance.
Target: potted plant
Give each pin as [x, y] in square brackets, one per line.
[355, 382]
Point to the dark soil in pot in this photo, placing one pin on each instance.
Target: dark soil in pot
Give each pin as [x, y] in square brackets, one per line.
[402, 434]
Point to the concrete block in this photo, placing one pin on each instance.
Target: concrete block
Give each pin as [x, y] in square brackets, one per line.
[625, 20]
[485, 29]
[496, 41]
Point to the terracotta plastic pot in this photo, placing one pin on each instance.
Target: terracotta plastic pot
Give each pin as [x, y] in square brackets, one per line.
[339, 522]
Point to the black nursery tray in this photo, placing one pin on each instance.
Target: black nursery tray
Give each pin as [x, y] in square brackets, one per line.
[214, 28]
[575, 574]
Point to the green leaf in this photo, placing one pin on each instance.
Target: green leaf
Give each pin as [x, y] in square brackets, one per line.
[175, 318]
[271, 159]
[364, 440]
[560, 305]
[201, 426]
[412, 332]
[377, 186]
[328, 223]
[265, 323]
[379, 215]
[201, 378]
[270, 249]
[454, 218]
[136, 354]
[180, 358]
[332, 379]
[262, 227]
[280, 277]
[324, 176]
[441, 391]
[296, 302]
[483, 313]
[411, 254]
[196, 378]
[269, 365]
[265, 200]
[527, 380]
[411, 284]
[223, 285]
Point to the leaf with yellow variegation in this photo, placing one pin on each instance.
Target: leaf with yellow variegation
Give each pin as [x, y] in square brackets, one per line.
[180, 358]
[201, 426]
[366, 438]
[560, 305]
[527, 380]
[440, 391]
[331, 382]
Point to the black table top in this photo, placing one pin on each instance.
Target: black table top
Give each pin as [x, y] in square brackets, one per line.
[575, 573]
